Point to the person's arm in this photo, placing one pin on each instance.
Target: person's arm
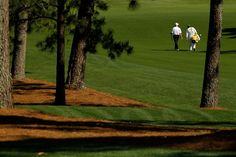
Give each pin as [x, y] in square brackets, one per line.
[180, 33]
[171, 35]
[187, 34]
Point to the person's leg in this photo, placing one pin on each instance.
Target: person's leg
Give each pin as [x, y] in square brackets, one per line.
[191, 46]
[194, 46]
[176, 40]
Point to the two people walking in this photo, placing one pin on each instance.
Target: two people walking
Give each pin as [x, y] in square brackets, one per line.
[191, 35]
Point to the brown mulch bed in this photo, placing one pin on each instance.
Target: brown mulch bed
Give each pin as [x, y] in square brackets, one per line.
[30, 91]
[18, 125]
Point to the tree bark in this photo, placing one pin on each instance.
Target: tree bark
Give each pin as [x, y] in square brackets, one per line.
[5, 78]
[210, 95]
[77, 62]
[60, 76]
[19, 51]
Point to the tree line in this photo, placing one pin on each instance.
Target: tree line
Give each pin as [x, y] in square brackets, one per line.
[81, 18]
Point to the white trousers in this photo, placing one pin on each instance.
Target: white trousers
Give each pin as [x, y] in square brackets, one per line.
[192, 45]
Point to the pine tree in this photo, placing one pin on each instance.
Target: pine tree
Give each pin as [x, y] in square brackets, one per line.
[210, 96]
[5, 78]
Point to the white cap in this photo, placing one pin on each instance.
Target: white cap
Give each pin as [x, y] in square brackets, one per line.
[176, 24]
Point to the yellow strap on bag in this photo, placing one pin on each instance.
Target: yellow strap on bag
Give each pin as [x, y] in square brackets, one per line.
[195, 38]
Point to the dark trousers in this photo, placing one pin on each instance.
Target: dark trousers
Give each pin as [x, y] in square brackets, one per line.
[176, 41]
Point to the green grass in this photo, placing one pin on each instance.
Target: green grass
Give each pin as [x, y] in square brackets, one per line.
[121, 152]
[153, 74]
[162, 76]
[163, 116]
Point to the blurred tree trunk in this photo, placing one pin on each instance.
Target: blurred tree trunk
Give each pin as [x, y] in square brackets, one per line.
[210, 96]
[5, 78]
[19, 51]
[60, 75]
[77, 62]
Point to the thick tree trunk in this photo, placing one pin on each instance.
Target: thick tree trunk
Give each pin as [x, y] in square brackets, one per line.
[77, 62]
[210, 96]
[19, 51]
[60, 80]
[5, 78]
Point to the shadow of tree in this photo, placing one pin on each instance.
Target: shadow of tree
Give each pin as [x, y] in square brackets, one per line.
[87, 144]
[187, 123]
[88, 125]
[228, 52]
[230, 32]
[216, 139]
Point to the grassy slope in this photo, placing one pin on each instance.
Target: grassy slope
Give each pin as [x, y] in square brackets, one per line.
[154, 73]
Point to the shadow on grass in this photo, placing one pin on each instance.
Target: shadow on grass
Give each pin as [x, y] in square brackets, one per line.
[103, 144]
[230, 32]
[197, 51]
[188, 123]
[216, 139]
[169, 50]
[228, 52]
[23, 122]
[181, 50]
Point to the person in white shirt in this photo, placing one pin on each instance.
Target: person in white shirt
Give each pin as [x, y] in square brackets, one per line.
[176, 34]
[192, 37]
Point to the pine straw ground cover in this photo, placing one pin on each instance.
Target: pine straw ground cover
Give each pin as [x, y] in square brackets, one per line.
[20, 126]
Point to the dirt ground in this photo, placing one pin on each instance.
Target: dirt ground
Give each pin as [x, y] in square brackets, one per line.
[30, 91]
[21, 124]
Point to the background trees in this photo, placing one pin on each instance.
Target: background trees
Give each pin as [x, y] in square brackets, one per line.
[19, 19]
[5, 78]
[60, 74]
[88, 33]
[77, 60]
[86, 28]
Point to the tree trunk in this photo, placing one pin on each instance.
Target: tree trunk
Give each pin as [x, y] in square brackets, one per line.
[19, 51]
[5, 78]
[60, 80]
[77, 62]
[210, 89]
